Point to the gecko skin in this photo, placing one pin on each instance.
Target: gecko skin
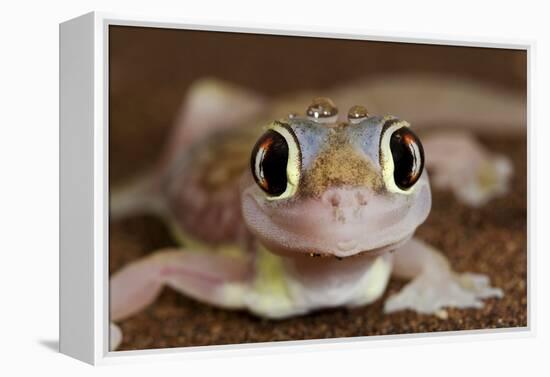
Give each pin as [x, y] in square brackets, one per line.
[283, 215]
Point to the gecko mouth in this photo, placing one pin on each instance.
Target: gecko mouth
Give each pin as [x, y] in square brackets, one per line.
[308, 228]
[350, 253]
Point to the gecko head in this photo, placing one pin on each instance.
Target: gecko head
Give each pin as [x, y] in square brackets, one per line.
[322, 187]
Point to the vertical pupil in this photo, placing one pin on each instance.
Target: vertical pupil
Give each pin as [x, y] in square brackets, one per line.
[408, 157]
[269, 162]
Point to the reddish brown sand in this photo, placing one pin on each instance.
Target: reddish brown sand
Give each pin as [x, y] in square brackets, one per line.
[150, 71]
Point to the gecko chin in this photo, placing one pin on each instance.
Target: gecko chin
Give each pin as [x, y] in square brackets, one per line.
[333, 250]
[343, 222]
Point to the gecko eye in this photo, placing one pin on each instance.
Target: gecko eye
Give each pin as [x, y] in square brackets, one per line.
[275, 162]
[408, 158]
[403, 163]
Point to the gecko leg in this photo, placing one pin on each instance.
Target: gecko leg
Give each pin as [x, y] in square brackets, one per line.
[211, 105]
[457, 161]
[211, 278]
[434, 285]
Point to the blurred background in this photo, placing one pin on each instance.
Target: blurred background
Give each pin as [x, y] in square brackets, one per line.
[150, 70]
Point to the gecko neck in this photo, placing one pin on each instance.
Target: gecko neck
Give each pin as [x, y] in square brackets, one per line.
[320, 271]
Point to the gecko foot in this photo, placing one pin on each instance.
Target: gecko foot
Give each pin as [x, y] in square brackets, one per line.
[430, 293]
[489, 180]
[457, 161]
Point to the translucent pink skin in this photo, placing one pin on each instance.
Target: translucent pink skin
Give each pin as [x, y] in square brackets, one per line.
[195, 274]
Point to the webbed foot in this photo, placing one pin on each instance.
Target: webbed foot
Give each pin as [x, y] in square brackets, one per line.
[431, 292]
[208, 277]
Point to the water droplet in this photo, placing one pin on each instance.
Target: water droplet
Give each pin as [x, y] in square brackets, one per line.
[322, 110]
[357, 114]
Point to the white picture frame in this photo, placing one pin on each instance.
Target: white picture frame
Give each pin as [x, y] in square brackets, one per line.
[84, 231]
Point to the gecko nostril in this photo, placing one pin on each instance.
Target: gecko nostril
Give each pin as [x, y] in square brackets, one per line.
[361, 199]
[334, 200]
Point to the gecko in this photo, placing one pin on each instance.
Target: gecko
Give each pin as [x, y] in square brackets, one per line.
[289, 206]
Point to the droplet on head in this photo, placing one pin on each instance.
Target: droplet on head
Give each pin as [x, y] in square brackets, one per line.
[357, 114]
[292, 115]
[322, 110]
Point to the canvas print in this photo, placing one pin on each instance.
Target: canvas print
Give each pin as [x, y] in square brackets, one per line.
[270, 188]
